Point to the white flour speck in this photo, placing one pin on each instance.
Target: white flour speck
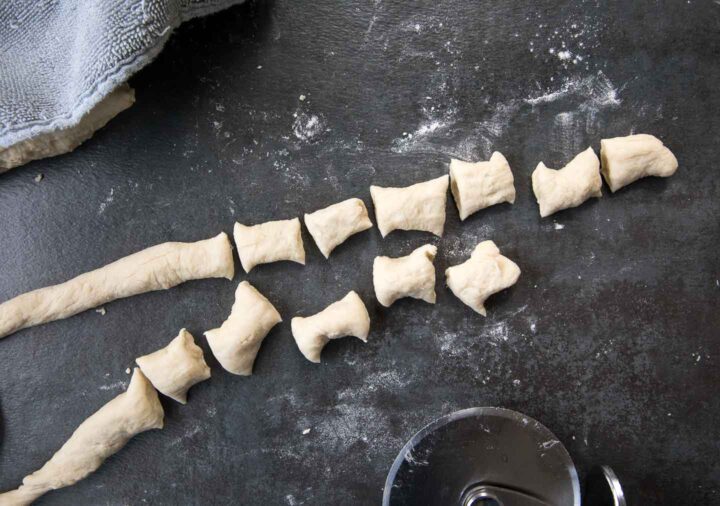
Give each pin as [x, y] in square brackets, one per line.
[307, 127]
[595, 91]
[306, 432]
[108, 200]
[114, 386]
[559, 226]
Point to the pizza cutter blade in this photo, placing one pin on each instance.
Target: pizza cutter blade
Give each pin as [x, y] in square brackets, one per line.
[483, 457]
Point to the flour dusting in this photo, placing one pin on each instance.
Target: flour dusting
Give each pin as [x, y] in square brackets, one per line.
[114, 386]
[308, 127]
[593, 92]
[108, 200]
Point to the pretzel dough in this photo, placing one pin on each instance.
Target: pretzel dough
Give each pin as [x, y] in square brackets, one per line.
[479, 185]
[331, 226]
[236, 342]
[627, 159]
[175, 368]
[417, 207]
[268, 242]
[409, 276]
[159, 267]
[104, 433]
[346, 317]
[568, 187]
[485, 273]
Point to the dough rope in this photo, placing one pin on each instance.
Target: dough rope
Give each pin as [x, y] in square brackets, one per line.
[417, 207]
[104, 433]
[331, 226]
[486, 272]
[570, 186]
[476, 186]
[627, 159]
[268, 242]
[156, 268]
[346, 317]
[177, 367]
[237, 341]
[409, 276]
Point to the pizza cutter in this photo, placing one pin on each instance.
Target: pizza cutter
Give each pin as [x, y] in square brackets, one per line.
[492, 457]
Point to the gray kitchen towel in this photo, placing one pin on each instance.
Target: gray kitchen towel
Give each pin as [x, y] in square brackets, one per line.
[59, 58]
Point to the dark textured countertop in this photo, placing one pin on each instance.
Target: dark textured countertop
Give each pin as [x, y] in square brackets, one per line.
[610, 337]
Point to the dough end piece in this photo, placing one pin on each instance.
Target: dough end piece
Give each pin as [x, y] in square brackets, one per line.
[237, 341]
[485, 273]
[568, 187]
[174, 369]
[346, 317]
[627, 159]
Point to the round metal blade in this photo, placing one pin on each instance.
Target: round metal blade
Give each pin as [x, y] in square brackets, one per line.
[494, 447]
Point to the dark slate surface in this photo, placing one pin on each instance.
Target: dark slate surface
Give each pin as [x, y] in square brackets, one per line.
[610, 338]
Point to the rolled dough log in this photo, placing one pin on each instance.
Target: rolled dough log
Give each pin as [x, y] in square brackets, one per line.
[236, 342]
[479, 185]
[268, 242]
[409, 276]
[175, 368]
[103, 434]
[417, 207]
[346, 317]
[486, 272]
[331, 226]
[155, 268]
[64, 141]
[568, 187]
[627, 159]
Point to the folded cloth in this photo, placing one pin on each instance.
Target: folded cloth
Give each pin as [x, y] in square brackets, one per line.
[60, 58]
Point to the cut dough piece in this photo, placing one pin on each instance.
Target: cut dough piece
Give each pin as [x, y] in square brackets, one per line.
[568, 187]
[156, 268]
[103, 434]
[268, 242]
[479, 185]
[485, 273]
[330, 227]
[63, 141]
[627, 159]
[175, 368]
[346, 317]
[409, 276]
[417, 207]
[236, 342]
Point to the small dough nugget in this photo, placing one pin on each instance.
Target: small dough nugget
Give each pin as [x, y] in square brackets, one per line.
[175, 368]
[485, 273]
[104, 433]
[568, 187]
[627, 159]
[237, 341]
[331, 226]
[269, 242]
[409, 276]
[479, 185]
[417, 207]
[156, 268]
[346, 317]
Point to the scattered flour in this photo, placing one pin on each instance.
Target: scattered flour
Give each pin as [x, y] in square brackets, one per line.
[108, 200]
[307, 127]
[593, 92]
[114, 386]
[558, 226]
